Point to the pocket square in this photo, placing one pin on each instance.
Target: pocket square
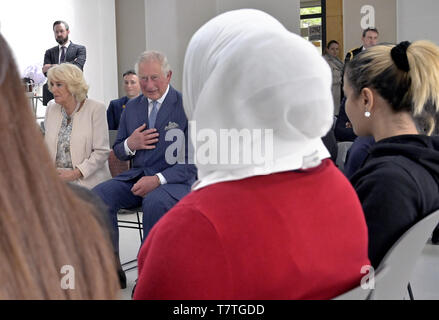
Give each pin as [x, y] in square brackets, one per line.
[171, 125]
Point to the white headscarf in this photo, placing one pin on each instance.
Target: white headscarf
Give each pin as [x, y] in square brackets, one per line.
[244, 70]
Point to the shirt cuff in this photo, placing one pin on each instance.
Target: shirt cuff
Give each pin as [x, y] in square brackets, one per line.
[128, 152]
[161, 178]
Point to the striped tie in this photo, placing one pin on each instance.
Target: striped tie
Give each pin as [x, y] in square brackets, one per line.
[63, 55]
[153, 115]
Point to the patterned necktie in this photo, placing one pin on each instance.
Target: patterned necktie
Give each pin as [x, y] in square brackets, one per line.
[152, 117]
[63, 55]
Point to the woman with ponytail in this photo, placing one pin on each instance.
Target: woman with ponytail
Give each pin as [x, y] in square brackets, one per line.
[389, 90]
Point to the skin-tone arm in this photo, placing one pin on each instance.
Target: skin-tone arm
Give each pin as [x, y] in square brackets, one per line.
[145, 185]
[69, 175]
[143, 140]
[46, 67]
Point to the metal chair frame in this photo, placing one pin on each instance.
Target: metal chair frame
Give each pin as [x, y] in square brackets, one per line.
[122, 223]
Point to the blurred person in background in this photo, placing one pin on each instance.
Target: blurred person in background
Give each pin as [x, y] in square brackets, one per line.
[331, 56]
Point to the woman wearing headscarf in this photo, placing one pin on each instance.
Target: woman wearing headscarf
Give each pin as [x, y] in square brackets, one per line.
[76, 129]
[282, 225]
[388, 89]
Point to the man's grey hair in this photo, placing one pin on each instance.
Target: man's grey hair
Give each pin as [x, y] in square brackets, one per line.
[152, 55]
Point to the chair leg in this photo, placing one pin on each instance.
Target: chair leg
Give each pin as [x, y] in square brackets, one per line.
[140, 226]
[409, 288]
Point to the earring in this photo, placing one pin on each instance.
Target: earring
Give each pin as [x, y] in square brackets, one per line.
[367, 114]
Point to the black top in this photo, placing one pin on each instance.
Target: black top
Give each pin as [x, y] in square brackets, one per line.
[397, 186]
[341, 132]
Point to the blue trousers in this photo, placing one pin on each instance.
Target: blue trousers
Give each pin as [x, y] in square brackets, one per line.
[117, 195]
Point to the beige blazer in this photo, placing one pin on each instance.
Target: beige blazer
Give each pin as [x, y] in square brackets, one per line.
[89, 142]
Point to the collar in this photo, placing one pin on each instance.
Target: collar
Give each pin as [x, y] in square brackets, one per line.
[162, 98]
[66, 45]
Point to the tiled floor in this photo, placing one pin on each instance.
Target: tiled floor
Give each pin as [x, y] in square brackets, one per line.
[425, 280]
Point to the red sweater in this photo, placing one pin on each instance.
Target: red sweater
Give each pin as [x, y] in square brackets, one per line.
[290, 235]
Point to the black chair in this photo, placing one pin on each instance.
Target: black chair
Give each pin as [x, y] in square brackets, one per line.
[116, 167]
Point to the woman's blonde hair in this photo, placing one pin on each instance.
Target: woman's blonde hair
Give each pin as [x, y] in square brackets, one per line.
[406, 75]
[45, 228]
[72, 76]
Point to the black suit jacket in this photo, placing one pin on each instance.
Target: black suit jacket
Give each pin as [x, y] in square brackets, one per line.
[75, 54]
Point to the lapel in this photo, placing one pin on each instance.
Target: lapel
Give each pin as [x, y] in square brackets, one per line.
[69, 52]
[55, 54]
[142, 111]
[166, 109]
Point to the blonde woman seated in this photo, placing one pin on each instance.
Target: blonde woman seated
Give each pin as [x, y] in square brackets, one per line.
[289, 227]
[76, 128]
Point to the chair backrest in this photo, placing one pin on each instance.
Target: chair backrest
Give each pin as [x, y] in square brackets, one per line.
[113, 135]
[402, 258]
[116, 166]
[360, 293]
[342, 151]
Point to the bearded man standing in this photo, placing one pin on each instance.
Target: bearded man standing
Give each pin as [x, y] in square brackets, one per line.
[65, 51]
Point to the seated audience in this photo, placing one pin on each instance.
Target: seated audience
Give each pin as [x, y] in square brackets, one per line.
[386, 87]
[54, 244]
[284, 226]
[76, 129]
[132, 90]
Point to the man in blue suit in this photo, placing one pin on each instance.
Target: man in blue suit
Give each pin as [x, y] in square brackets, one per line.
[155, 181]
[132, 90]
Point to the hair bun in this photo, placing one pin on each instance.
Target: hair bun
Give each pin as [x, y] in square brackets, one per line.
[399, 56]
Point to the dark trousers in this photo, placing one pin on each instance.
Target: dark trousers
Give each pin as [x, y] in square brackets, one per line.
[117, 195]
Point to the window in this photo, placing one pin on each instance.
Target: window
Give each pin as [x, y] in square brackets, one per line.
[313, 22]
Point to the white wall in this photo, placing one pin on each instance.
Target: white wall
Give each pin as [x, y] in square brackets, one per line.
[385, 17]
[131, 36]
[418, 20]
[27, 26]
[170, 24]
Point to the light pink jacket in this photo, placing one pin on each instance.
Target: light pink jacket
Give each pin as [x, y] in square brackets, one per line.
[89, 141]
